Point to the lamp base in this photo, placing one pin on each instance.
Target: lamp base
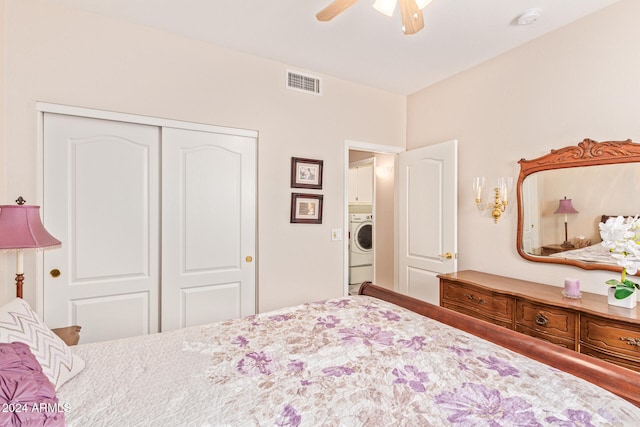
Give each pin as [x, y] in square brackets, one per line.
[567, 243]
[19, 282]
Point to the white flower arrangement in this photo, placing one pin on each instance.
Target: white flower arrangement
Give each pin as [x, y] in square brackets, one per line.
[622, 237]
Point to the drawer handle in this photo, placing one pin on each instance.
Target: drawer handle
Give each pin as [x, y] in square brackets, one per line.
[541, 319]
[631, 341]
[472, 298]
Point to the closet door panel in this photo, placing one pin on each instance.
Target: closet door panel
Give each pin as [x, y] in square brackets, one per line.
[106, 208]
[101, 199]
[208, 227]
[211, 208]
[125, 315]
[199, 302]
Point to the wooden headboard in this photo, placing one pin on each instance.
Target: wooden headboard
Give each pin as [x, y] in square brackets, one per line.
[618, 380]
[604, 218]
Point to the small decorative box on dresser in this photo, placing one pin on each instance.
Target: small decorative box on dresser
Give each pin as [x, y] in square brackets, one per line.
[588, 325]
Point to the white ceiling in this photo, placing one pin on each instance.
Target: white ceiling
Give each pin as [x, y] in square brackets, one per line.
[360, 45]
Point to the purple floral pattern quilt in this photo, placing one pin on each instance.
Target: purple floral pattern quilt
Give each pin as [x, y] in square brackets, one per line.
[354, 361]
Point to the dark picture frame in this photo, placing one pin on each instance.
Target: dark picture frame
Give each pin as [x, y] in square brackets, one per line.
[306, 208]
[306, 173]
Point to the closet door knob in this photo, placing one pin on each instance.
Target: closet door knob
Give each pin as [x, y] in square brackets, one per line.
[55, 273]
[249, 258]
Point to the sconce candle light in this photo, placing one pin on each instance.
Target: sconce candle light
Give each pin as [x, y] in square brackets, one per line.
[384, 171]
[498, 206]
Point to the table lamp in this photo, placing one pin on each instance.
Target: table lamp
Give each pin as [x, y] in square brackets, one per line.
[565, 207]
[20, 230]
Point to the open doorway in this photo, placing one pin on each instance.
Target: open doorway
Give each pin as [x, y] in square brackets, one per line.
[362, 188]
[417, 257]
[370, 207]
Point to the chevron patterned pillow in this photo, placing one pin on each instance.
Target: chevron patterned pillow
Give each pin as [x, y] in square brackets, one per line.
[19, 323]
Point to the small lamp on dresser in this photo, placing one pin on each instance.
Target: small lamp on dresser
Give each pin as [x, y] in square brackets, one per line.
[566, 207]
[21, 230]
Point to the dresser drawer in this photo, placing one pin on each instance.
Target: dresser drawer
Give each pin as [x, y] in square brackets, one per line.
[610, 337]
[472, 300]
[478, 315]
[546, 320]
[621, 361]
[559, 341]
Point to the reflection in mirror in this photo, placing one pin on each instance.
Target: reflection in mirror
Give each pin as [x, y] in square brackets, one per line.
[594, 191]
[599, 178]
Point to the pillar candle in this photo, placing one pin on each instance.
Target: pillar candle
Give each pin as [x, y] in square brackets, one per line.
[19, 262]
[572, 286]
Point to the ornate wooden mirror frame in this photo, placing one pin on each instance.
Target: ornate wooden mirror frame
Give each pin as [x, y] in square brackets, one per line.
[586, 153]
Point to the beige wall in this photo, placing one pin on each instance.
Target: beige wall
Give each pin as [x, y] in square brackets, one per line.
[59, 55]
[385, 223]
[577, 82]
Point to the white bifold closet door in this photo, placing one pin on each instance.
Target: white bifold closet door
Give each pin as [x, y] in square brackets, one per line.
[157, 226]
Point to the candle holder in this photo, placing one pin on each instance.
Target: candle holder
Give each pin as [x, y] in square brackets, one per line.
[572, 288]
[497, 205]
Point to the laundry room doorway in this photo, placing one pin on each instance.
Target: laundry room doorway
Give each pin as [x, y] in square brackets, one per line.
[370, 217]
[417, 193]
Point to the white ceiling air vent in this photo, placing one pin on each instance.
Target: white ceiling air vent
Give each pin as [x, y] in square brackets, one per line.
[303, 82]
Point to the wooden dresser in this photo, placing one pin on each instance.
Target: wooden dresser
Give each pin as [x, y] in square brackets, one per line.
[588, 325]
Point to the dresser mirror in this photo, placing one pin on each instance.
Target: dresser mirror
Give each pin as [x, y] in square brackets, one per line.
[596, 178]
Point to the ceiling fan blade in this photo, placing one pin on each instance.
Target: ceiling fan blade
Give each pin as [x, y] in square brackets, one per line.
[334, 9]
[412, 19]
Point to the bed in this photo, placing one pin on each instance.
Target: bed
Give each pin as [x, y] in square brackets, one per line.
[376, 359]
[595, 253]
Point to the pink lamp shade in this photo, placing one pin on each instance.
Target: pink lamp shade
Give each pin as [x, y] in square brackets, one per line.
[21, 228]
[565, 207]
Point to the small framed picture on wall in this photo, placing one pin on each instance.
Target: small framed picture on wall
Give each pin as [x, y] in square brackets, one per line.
[306, 208]
[306, 173]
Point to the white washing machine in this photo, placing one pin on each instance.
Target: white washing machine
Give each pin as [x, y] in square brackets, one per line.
[360, 248]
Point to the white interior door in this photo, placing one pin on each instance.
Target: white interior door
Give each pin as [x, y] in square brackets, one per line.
[208, 227]
[101, 199]
[427, 218]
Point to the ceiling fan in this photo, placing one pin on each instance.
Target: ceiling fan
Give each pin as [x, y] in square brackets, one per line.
[411, 10]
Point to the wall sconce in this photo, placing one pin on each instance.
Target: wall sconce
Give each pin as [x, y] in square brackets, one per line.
[498, 205]
[566, 207]
[384, 171]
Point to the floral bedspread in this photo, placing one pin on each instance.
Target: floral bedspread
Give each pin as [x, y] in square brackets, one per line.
[594, 253]
[355, 361]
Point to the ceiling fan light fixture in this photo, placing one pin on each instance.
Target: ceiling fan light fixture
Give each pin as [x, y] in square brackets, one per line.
[385, 7]
[423, 3]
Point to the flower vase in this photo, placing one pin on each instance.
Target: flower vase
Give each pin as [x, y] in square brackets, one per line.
[628, 302]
